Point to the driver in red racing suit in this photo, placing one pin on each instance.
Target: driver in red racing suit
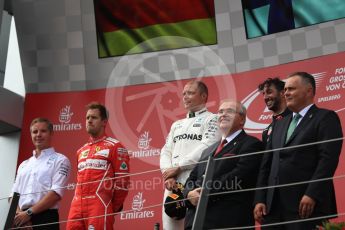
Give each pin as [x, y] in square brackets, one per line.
[100, 159]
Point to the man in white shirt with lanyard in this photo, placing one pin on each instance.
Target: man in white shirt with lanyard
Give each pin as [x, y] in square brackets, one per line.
[40, 180]
[187, 139]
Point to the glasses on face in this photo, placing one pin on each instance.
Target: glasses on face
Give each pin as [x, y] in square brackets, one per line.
[227, 111]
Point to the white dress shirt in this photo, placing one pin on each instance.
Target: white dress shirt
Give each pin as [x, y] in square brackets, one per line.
[232, 136]
[303, 112]
[37, 176]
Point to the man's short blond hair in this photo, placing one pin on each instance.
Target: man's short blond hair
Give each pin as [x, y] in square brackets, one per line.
[42, 120]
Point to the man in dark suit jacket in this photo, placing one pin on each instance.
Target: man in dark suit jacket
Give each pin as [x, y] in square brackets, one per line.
[305, 163]
[232, 209]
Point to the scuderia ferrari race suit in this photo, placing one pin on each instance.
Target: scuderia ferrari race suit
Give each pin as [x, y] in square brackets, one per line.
[187, 139]
[96, 194]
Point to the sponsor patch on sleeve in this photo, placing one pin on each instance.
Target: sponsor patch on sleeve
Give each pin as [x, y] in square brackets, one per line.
[123, 166]
[64, 169]
[121, 151]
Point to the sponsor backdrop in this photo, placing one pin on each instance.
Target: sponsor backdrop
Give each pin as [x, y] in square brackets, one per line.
[140, 117]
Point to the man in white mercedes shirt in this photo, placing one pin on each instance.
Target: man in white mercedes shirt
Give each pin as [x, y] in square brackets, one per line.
[187, 139]
[40, 180]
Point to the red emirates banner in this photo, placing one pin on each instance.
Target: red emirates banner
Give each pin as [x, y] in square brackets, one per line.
[141, 116]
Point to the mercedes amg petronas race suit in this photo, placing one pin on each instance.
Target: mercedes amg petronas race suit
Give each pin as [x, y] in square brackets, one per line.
[96, 194]
[187, 139]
